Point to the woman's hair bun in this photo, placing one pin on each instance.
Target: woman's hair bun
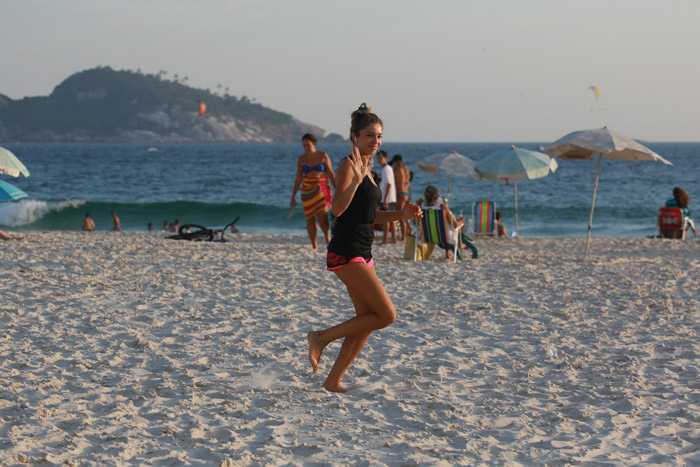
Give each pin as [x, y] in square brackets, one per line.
[363, 109]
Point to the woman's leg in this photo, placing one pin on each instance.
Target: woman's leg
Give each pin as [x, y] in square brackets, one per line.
[311, 229]
[374, 310]
[323, 223]
[407, 224]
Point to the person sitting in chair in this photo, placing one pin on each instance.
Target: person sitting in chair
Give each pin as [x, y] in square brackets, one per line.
[681, 200]
[432, 201]
[502, 232]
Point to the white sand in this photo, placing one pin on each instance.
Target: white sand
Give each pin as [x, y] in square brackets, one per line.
[125, 348]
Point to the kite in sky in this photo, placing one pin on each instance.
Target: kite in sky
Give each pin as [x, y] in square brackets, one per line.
[596, 91]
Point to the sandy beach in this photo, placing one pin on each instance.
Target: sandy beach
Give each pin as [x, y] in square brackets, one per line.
[129, 349]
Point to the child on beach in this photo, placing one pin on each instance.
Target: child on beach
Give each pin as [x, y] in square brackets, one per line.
[355, 210]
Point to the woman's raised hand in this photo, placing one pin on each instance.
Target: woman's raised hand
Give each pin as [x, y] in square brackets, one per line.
[358, 164]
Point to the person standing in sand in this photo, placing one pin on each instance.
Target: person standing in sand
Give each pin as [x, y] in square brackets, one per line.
[388, 187]
[402, 177]
[116, 226]
[355, 208]
[314, 170]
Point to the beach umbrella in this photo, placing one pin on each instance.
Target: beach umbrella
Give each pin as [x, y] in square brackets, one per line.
[600, 142]
[451, 163]
[10, 165]
[8, 191]
[515, 165]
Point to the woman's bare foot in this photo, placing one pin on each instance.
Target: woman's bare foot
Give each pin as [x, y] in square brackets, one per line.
[315, 349]
[334, 388]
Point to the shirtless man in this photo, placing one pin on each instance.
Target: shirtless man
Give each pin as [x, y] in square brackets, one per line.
[116, 226]
[88, 223]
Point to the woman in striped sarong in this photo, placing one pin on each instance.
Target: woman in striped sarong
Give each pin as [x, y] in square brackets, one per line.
[314, 172]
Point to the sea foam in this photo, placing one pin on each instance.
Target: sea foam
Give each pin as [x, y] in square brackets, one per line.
[28, 211]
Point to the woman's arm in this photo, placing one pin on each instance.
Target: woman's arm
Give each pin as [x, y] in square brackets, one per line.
[351, 171]
[454, 220]
[408, 212]
[329, 169]
[297, 182]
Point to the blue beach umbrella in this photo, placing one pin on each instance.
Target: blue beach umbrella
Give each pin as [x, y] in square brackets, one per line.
[10, 165]
[8, 191]
[516, 165]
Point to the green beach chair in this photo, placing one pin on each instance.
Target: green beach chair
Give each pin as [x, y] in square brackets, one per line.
[434, 230]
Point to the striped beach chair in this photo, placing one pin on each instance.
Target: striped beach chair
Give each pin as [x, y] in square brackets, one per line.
[434, 229]
[483, 221]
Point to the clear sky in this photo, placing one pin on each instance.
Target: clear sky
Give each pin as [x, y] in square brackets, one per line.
[444, 70]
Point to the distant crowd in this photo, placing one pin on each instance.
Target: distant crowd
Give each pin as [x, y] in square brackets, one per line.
[89, 224]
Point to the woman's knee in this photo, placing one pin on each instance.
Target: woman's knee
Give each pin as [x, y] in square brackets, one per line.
[387, 317]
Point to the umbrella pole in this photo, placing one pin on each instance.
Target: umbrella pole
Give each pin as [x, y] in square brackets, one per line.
[449, 184]
[515, 193]
[590, 219]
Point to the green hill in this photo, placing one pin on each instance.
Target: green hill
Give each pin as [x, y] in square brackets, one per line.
[102, 104]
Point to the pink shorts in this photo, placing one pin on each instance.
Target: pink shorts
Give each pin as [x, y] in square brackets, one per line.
[335, 261]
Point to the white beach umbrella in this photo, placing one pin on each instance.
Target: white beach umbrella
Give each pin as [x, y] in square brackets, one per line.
[10, 165]
[451, 163]
[515, 165]
[600, 142]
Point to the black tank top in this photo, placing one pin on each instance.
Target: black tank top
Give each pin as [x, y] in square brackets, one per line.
[353, 230]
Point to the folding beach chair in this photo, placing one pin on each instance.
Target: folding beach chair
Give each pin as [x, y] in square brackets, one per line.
[434, 229]
[483, 221]
[672, 223]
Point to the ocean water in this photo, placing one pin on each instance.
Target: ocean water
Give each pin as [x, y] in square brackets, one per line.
[212, 184]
